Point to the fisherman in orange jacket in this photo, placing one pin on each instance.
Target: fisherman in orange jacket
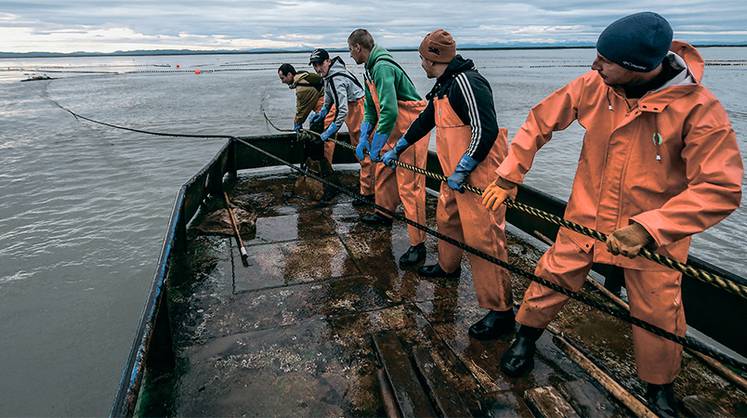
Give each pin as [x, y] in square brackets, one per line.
[470, 146]
[659, 163]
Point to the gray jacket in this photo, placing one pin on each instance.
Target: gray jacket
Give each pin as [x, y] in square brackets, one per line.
[341, 87]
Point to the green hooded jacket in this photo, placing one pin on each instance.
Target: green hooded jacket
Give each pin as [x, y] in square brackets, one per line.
[392, 84]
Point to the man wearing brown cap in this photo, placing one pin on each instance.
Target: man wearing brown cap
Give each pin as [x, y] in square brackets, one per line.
[470, 147]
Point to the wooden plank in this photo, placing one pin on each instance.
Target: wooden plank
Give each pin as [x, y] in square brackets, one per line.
[447, 400]
[588, 400]
[504, 404]
[411, 398]
[615, 389]
[547, 402]
[390, 404]
[715, 365]
[698, 407]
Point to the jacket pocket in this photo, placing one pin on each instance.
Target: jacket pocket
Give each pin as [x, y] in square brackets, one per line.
[584, 243]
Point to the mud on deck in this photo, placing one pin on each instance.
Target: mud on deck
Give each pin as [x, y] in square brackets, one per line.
[293, 333]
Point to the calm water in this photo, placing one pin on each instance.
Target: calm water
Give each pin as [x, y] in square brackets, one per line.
[84, 208]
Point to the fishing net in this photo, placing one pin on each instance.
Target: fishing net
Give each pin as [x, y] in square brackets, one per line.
[218, 222]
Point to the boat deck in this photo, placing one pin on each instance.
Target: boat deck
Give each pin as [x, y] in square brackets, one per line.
[323, 309]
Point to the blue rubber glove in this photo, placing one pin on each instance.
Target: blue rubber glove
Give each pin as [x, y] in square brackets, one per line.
[316, 117]
[457, 179]
[392, 155]
[297, 127]
[377, 143]
[363, 144]
[331, 130]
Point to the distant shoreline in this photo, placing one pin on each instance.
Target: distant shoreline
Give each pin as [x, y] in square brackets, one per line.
[12, 55]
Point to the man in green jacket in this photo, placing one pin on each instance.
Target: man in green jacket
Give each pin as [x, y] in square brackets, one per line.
[392, 104]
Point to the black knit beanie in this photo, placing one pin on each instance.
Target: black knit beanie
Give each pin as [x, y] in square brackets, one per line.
[638, 42]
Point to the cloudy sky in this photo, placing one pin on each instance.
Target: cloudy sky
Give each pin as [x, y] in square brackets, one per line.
[106, 26]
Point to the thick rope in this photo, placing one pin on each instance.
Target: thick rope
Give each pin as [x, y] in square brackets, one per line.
[615, 312]
[142, 131]
[691, 271]
[275, 127]
[694, 272]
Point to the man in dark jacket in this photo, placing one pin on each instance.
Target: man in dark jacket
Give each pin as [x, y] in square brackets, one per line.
[470, 146]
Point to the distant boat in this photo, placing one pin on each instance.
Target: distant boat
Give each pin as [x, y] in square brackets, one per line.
[36, 77]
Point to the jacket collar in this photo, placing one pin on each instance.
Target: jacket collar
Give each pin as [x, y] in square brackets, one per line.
[337, 66]
[456, 66]
[681, 55]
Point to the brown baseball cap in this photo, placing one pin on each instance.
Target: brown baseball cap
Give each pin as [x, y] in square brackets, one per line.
[438, 46]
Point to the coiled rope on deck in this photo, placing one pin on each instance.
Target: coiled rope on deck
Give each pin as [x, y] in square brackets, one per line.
[621, 314]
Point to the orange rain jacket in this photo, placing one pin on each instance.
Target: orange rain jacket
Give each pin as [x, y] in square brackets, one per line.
[674, 188]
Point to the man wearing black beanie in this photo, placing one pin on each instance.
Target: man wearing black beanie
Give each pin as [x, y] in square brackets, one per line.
[659, 163]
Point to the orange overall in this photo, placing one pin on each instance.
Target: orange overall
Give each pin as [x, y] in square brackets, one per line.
[353, 122]
[463, 217]
[395, 186]
[674, 187]
[329, 146]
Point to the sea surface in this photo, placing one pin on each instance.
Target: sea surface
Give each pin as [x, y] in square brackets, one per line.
[84, 208]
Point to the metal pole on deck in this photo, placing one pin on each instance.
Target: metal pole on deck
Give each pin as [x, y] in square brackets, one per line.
[234, 224]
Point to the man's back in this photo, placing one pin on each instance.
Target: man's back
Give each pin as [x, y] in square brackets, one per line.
[390, 85]
[309, 88]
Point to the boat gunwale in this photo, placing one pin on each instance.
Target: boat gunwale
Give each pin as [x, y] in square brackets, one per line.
[212, 174]
[132, 373]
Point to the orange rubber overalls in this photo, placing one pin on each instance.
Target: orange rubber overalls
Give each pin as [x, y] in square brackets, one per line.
[401, 185]
[329, 146]
[463, 217]
[668, 161]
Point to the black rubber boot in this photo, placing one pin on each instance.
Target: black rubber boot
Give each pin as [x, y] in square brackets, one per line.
[519, 358]
[493, 325]
[328, 173]
[660, 399]
[376, 220]
[435, 271]
[414, 255]
[329, 194]
[364, 201]
[326, 169]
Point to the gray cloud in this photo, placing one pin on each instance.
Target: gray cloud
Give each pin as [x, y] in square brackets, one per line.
[75, 24]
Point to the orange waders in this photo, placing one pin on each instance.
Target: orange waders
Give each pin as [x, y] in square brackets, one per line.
[329, 146]
[353, 122]
[401, 185]
[463, 217]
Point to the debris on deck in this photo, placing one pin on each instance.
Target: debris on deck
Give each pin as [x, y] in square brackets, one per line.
[218, 222]
[323, 307]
